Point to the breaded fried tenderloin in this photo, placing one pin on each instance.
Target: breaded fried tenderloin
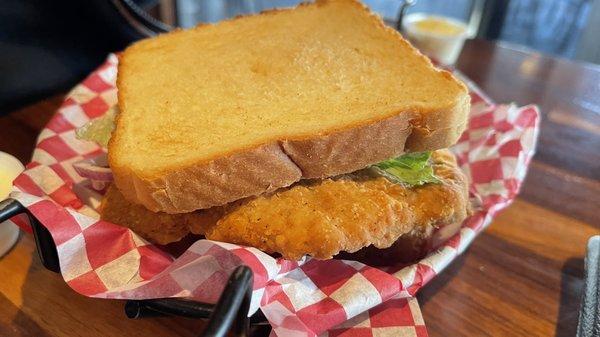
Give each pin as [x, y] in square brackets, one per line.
[347, 213]
[157, 227]
[317, 218]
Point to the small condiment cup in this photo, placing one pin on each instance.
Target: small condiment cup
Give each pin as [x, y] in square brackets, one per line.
[439, 37]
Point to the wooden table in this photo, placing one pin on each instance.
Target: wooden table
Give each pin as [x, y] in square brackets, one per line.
[522, 277]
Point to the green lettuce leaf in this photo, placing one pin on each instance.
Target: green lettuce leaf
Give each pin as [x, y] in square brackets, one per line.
[412, 169]
[98, 130]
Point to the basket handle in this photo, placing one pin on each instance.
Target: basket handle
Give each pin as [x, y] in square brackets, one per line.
[43, 240]
[230, 312]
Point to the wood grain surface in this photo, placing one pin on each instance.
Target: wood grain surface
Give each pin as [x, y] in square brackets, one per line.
[522, 277]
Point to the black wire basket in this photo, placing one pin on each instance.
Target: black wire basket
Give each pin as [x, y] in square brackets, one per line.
[229, 314]
[228, 317]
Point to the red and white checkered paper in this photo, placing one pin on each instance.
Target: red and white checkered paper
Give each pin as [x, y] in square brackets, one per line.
[299, 298]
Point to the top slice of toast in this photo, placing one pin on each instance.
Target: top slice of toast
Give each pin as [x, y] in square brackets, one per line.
[226, 111]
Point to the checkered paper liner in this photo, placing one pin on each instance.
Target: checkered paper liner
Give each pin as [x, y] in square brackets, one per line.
[299, 298]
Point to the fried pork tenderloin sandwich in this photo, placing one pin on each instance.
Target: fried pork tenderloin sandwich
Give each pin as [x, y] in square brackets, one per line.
[313, 131]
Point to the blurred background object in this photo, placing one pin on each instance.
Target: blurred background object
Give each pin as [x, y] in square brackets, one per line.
[558, 27]
[48, 46]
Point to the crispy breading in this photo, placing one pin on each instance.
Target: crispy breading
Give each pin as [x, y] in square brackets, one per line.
[318, 218]
[161, 228]
[346, 214]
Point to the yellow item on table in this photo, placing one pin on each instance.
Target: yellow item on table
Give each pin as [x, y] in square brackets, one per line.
[439, 26]
[10, 168]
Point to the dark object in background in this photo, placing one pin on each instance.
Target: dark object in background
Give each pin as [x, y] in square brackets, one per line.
[48, 46]
[550, 26]
[589, 314]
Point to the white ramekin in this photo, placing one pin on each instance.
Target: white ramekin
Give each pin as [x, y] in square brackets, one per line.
[442, 48]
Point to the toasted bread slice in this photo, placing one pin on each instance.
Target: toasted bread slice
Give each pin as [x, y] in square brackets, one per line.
[226, 111]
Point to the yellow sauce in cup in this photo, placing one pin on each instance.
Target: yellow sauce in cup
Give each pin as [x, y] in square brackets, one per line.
[438, 26]
[5, 184]
[438, 37]
[10, 168]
